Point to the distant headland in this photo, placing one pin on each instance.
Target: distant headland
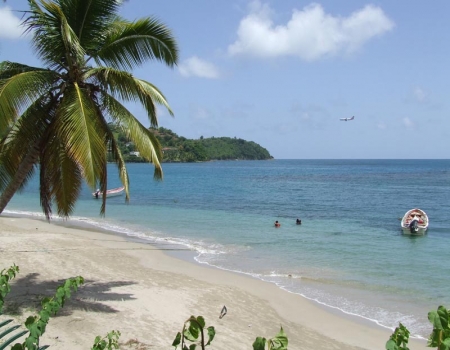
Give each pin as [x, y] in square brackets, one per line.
[180, 149]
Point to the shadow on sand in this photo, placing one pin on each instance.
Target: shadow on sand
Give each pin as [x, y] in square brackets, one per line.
[27, 292]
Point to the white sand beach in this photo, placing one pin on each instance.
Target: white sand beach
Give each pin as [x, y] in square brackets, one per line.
[147, 295]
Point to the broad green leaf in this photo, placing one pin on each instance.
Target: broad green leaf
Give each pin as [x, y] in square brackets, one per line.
[201, 321]
[16, 346]
[211, 334]
[446, 343]
[391, 345]
[259, 343]
[443, 316]
[30, 321]
[177, 340]
[192, 332]
[281, 339]
[435, 320]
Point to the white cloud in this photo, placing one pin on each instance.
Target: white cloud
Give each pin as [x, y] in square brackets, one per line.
[420, 95]
[310, 33]
[305, 116]
[197, 67]
[161, 111]
[200, 113]
[381, 126]
[408, 122]
[10, 27]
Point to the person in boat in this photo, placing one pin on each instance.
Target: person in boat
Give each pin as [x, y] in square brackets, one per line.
[96, 194]
[277, 224]
[414, 216]
[298, 222]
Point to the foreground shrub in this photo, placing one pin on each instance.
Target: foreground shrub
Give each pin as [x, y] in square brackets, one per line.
[194, 333]
[439, 337]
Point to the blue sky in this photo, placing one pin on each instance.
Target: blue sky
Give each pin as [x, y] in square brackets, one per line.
[282, 73]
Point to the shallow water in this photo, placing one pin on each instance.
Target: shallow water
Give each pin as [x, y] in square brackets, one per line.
[348, 253]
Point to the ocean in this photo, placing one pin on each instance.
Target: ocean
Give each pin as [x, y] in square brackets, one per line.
[349, 253]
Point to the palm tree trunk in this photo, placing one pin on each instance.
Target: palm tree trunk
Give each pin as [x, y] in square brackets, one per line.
[25, 166]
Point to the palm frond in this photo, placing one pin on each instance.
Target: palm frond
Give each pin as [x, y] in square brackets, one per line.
[13, 155]
[118, 159]
[45, 190]
[19, 91]
[146, 143]
[54, 40]
[9, 69]
[60, 179]
[23, 139]
[89, 19]
[72, 45]
[128, 88]
[130, 44]
[77, 128]
[121, 166]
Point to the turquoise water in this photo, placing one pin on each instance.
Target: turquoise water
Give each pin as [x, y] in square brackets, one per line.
[349, 252]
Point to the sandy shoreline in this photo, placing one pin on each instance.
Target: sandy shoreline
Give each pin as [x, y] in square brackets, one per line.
[147, 295]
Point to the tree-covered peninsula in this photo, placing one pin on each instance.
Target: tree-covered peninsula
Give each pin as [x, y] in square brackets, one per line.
[180, 149]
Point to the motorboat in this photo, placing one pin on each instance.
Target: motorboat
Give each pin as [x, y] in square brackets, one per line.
[109, 193]
[415, 222]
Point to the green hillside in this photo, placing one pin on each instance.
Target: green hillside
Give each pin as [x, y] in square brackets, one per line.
[179, 149]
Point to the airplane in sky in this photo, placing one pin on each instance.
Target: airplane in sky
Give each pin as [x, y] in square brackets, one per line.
[346, 119]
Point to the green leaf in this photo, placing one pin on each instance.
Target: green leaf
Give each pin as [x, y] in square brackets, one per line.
[446, 343]
[391, 345]
[17, 346]
[400, 337]
[18, 92]
[211, 334]
[30, 321]
[97, 339]
[192, 332]
[280, 342]
[201, 321]
[433, 317]
[443, 316]
[5, 277]
[146, 143]
[129, 44]
[259, 343]
[177, 340]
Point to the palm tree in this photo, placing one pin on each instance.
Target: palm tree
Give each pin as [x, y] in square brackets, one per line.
[54, 119]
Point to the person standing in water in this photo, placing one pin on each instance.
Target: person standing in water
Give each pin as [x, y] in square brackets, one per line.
[277, 224]
[299, 222]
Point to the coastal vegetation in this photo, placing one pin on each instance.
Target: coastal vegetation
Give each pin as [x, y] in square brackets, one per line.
[55, 119]
[193, 329]
[177, 148]
[194, 333]
[36, 325]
